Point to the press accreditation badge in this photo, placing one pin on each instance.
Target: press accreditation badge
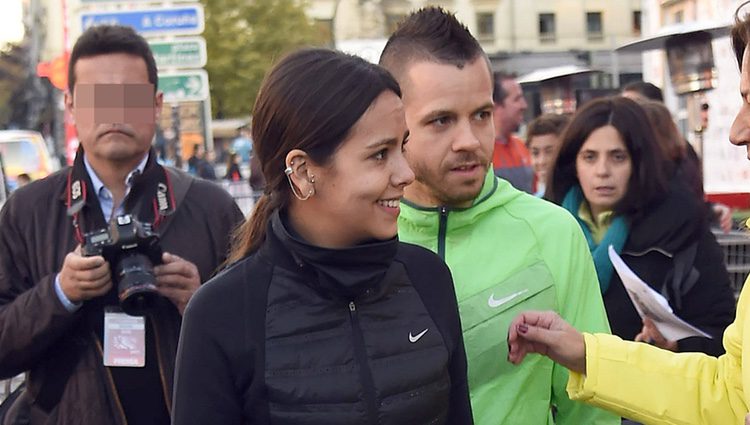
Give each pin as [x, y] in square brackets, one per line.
[124, 339]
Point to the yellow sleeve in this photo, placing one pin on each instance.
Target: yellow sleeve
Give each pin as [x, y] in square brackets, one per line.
[654, 386]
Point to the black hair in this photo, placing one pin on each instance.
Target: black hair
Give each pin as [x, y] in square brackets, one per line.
[645, 89]
[430, 34]
[310, 100]
[546, 124]
[650, 170]
[106, 39]
[498, 92]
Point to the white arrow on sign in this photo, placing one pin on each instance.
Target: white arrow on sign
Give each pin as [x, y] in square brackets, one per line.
[193, 85]
[184, 86]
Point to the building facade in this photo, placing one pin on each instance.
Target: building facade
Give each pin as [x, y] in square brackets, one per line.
[725, 169]
[520, 36]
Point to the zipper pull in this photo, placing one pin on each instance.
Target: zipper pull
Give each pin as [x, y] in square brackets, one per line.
[352, 307]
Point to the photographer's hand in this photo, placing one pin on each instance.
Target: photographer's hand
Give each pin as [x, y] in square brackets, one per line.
[83, 278]
[177, 279]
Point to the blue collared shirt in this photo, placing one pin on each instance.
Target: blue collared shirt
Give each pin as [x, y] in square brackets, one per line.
[106, 201]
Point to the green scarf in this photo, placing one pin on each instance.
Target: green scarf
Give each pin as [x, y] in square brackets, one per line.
[616, 236]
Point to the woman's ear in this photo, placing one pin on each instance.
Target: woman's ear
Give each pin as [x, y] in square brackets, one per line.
[298, 173]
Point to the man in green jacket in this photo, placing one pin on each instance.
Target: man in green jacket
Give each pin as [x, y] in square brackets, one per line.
[508, 251]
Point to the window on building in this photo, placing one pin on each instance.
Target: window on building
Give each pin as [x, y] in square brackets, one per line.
[679, 16]
[594, 26]
[486, 25]
[392, 20]
[325, 28]
[636, 22]
[547, 28]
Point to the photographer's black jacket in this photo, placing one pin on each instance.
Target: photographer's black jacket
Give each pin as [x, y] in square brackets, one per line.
[37, 333]
[298, 334]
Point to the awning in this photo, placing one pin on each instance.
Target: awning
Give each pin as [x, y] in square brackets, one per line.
[657, 40]
[228, 128]
[555, 72]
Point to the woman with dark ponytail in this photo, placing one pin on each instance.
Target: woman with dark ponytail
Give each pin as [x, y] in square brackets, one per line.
[323, 316]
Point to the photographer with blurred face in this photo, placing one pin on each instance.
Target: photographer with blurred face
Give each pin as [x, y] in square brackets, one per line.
[160, 232]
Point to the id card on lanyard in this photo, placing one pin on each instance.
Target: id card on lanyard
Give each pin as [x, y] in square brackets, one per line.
[124, 339]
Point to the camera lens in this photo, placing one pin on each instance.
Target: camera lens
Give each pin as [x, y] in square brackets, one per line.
[136, 286]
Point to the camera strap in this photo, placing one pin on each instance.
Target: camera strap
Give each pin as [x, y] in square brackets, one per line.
[78, 201]
[151, 197]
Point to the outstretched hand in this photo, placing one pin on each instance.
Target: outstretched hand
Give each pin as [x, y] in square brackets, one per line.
[546, 333]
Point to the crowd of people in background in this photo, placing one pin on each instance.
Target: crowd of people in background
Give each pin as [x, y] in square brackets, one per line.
[202, 163]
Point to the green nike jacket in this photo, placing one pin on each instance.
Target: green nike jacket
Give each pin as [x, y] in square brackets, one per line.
[511, 252]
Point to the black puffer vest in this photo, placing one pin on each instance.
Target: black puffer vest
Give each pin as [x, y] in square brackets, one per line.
[315, 336]
[345, 340]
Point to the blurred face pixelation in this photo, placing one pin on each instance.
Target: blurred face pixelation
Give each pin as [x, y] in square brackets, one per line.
[358, 193]
[604, 166]
[115, 107]
[449, 114]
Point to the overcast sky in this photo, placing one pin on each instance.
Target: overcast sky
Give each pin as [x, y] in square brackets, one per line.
[11, 22]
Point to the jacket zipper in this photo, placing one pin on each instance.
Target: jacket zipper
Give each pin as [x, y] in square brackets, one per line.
[442, 229]
[365, 374]
[167, 398]
[111, 382]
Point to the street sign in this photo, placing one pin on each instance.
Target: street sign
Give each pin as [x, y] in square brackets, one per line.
[183, 20]
[183, 86]
[180, 53]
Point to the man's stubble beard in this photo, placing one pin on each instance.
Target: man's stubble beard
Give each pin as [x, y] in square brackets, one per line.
[439, 190]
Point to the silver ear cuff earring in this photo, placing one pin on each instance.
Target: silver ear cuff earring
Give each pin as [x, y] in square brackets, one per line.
[288, 171]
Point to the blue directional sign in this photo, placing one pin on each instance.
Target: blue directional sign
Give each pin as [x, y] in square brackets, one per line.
[187, 20]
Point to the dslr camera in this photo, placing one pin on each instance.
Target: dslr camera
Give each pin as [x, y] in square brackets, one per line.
[132, 249]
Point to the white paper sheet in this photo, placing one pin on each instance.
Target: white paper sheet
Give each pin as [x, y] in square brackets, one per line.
[652, 304]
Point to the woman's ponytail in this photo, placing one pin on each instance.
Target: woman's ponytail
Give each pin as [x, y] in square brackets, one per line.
[251, 234]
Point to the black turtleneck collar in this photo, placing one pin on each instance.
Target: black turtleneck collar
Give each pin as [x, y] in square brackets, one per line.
[342, 273]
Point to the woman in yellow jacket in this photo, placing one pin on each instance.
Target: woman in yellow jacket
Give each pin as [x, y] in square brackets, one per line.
[640, 381]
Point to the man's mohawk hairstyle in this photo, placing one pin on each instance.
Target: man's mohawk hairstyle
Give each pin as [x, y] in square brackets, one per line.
[431, 34]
